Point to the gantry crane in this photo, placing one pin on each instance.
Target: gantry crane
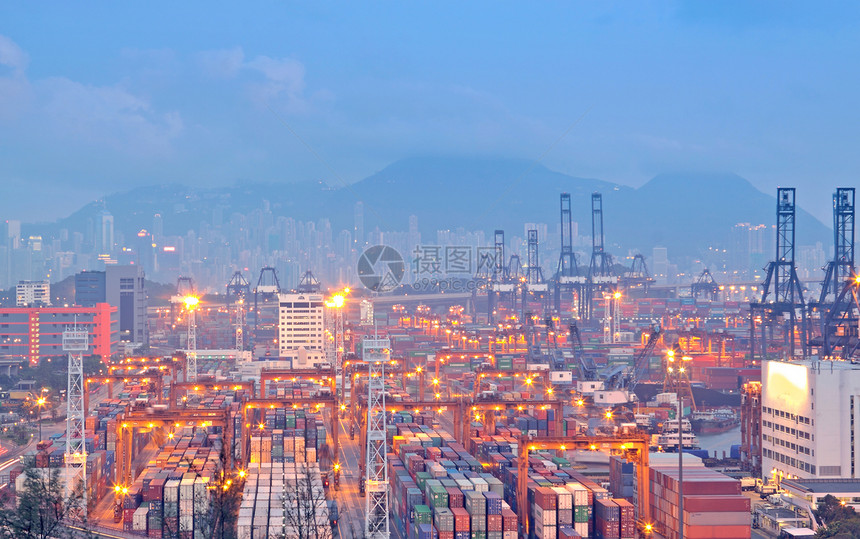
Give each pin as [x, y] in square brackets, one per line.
[154, 378]
[567, 275]
[268, 287]
[238, 292]
[706, 286]
[276, 375]
[601, 276]
[637, 276]
[490, 407]
[632, 447]
[782, 293]
[174, 365]
[235, 385]
[486, 375]
[171, 419]
[291, 403]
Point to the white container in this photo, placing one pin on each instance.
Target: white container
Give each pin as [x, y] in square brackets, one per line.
[546, 517]
[138, 522]
[564, 497]
[479, 484]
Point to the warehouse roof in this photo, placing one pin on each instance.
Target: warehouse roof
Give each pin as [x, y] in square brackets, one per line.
[823, 485]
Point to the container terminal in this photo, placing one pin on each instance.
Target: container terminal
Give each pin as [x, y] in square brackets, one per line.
[535, 408]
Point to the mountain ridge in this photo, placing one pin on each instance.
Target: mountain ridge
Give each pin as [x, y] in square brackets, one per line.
[686, 212]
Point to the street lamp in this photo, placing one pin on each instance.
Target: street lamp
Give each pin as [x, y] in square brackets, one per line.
[674, 354]
[40, 402]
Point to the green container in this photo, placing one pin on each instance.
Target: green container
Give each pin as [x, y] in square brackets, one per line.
[479, 535]
[421, 479]
[438, 496]
[421, 514]
[580, 513]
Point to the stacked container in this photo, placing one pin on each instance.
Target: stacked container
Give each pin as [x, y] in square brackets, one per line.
[713, 504]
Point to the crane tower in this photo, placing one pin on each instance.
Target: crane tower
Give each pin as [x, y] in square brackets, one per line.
[375, 354]
[75, 343]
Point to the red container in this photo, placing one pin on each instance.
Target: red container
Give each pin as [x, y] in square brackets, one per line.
[545, 497]
[461, 519]
[509, 520]
[494, 523]
[716, 504]
[455, 497]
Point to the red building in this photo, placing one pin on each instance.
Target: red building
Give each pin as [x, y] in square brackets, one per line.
[36, 333]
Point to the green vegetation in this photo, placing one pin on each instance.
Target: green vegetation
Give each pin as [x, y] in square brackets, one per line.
[17, 434]
[839, 521]
[42, 511]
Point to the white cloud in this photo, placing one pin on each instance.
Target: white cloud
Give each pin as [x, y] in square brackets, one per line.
[12, 56]
[222, 63]
[61, 111]
[106, 115]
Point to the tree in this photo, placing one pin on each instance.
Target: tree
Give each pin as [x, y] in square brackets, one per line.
[42, 510]
[225, 500]
[305, 505]
[830, 509]
[839, 520]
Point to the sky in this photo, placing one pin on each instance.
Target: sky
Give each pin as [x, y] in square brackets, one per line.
[104, 96]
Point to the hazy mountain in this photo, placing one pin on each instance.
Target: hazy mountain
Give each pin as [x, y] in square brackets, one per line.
[684, 212]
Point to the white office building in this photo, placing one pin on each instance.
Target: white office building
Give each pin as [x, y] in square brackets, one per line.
[809, 419]
[33, 294]
[301, 329]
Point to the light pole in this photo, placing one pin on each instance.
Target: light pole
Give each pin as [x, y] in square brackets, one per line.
[679, 373]
[40, 402]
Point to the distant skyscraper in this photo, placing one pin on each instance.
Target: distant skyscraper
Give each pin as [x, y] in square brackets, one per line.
[660, 256]
[104, 232]
[13, 232]
[358, 232]
[414, 238]
[158, 227]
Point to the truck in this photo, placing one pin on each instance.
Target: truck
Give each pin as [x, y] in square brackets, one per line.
[332, 514]
[765, 489]
[749, 483]
[20, 395]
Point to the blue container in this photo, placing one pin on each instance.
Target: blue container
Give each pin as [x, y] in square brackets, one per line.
[735, 451]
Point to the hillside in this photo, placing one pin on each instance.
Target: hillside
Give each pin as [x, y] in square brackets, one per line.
[685, 212]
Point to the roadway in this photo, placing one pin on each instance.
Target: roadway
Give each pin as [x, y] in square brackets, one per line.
[350, 504]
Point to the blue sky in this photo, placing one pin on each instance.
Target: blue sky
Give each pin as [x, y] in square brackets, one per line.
[102, 98]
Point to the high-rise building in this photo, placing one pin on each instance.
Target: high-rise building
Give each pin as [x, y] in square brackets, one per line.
[358, 230]
[301, 329]
[123, 287]
[90, 288]
[660, 262]
[33, 294]
[104, 233]
[37, 332]
[809, 419]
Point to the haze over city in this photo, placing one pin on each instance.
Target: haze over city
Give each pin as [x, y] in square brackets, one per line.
[429, 270]
[122, 95]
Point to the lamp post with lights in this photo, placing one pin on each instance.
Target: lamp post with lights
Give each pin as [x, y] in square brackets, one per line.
[40, 402]
[679, 369]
